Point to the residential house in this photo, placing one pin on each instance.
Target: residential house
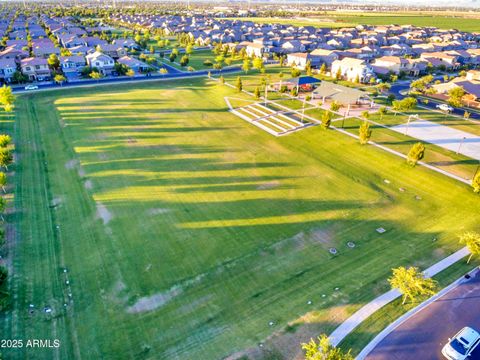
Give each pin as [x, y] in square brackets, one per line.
[114, 51]
[352, 69]
[299, 60]
[323, 56]
[134, 64]
[35, 68]
[104, 63]
[72, 65]
[7, 69]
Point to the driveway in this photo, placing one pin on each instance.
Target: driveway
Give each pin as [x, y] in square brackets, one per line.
[423, 335]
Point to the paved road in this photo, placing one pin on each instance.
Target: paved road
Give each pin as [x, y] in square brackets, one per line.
[423, 335]
[124, 79]
[397, 88]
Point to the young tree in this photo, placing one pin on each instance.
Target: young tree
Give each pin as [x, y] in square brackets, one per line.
[295, 72]
[365, 114]
[59, 79]
[130, 73]
[334, 106]
[53, 61]
[308, 68]
[258, 63]
[326, 119]
[184, 60]
[3, 205]
[476, 182]
[221, 79]
[5, 140]
[338, 75]
[3, 180]
[239, 84]
[256, 93]
[323, 69]
[364, 132]
[466, 115]
[472, 241]
[324, 350]
[96, 75]
[246, 66]
[411, 283]
[6, 158]
[382, 111]
[416, 153]
[7, 98]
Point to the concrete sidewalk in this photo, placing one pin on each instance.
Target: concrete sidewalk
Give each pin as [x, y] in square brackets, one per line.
[376, 304]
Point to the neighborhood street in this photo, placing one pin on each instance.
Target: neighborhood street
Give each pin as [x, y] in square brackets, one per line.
[423, 335]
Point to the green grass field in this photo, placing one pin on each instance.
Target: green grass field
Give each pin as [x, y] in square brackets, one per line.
[463, 22]
[185, 230]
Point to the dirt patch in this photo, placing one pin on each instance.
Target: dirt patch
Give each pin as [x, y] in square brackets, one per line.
[285, 344]
[323, 236]
[103, 213]
[158, 211]
[149, 303]
[268, 185]
[88, 184]
[72, 164]
[131, 140]
[56, 202]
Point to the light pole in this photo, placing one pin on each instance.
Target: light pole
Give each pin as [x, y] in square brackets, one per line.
[460, 145]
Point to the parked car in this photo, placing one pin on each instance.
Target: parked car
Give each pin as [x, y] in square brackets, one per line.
[31, 87]
[462, 344]
[445, 107]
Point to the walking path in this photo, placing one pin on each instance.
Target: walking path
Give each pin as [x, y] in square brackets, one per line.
[376, 304]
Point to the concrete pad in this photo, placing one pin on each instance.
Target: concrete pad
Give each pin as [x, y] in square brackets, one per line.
[443, 136]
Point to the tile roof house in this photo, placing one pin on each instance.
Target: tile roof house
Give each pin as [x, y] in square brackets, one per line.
[7, 69]
[134, 64]
[102, 62]
[35, 68]
[353, 69]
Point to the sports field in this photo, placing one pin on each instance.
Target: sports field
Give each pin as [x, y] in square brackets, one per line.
[188, 233]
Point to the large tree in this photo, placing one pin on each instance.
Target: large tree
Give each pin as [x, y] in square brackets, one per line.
[416, 153]
[324, 350]
[471, 240]
[455, 96]
[411, 283]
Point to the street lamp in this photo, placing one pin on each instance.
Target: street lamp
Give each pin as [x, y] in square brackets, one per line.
[460, 145]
